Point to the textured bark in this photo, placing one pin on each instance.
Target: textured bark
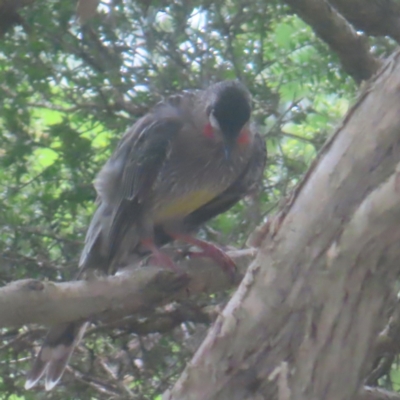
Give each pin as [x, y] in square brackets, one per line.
[303, 322]
[138, 290]
[369, 393]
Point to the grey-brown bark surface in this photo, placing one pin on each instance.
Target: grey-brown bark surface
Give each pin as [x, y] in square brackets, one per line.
[369, 393]
[114, 297]
[303, 321]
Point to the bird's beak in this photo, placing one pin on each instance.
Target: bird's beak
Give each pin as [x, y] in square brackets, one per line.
[229, 143]
[227, 151]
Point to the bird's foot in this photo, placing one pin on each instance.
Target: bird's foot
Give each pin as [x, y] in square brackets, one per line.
[210, 250]
[161, 259]
[158, 258]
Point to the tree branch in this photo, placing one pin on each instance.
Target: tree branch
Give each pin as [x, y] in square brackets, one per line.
[333, 29]
[370, 393]
[133, 291]
[9, 14]
[374, 17]
[311, 305]
[162, 321]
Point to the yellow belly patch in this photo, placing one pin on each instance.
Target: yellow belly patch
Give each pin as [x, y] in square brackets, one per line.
[184, 205]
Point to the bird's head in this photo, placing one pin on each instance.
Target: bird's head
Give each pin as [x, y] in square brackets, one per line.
[229, 113]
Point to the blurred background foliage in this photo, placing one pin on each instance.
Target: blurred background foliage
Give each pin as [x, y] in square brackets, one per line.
[68, 92]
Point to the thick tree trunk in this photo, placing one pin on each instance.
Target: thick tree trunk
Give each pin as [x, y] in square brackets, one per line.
[304, 320]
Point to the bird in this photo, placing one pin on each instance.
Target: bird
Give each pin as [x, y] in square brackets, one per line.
[190, 158]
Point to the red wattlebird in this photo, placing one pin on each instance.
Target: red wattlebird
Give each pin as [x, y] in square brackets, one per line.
[192, 157]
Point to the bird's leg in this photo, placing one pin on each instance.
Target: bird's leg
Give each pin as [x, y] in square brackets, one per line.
[208, 250]
[158, 257]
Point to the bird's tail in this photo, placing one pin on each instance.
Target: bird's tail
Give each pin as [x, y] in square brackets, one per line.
[55, 353]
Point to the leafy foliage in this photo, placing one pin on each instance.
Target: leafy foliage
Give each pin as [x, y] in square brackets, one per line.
[68, 92]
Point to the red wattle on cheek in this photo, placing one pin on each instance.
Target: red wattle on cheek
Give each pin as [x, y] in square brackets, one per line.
[208, 131]
[244, 137]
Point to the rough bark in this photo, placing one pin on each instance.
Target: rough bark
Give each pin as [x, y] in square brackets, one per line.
[305, 317]
[134, 291]
[369, 393]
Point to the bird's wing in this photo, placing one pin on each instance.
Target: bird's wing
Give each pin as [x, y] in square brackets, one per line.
[247, 182]
[140, 172]
[125, 182]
